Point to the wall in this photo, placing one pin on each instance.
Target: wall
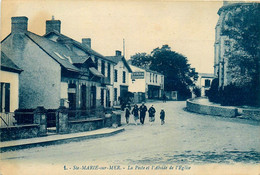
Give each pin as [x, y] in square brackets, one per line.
[13, 79]
[85, 125]
[40, 81]
[19, 132]
[211, 109]
[253, 114]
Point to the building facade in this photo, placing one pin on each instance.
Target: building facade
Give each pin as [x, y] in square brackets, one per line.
[146, 81]
[224, 45]
[101, 89]
[57, 70]
[9, 85]
[204, 82]
[121, 74]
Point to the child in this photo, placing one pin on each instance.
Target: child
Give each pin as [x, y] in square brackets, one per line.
[151, 112]
[162, 116]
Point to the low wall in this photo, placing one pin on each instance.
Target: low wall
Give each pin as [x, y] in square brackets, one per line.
[19, 132]
[85, 125]
[211, 109]
[253, 114]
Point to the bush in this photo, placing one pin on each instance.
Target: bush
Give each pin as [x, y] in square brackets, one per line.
[213, 92]
[197, 91]
[233, 95]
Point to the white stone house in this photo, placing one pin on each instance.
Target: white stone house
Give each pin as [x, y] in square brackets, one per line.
[146, 81]
[121, 74]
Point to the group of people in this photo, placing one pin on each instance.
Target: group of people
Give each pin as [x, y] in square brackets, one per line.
[142, 111]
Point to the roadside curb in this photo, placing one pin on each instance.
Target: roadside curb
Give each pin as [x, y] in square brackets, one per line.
[58, 141]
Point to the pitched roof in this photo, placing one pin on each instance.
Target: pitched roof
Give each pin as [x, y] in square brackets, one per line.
[60, 53]
[8, 64]
[147, 70]
[116, 59]
[77, 44]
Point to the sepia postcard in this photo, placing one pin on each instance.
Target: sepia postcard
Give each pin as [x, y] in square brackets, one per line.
[130, 87]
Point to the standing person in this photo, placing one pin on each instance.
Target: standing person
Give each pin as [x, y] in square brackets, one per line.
[127, 114]
[135, 112]
[162, 116]
[151, 112]
[164, 98]
[143, 110]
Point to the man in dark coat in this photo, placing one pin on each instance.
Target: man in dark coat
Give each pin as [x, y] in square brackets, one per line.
[143, 110]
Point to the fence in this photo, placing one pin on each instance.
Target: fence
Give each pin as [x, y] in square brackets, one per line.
[7, 119]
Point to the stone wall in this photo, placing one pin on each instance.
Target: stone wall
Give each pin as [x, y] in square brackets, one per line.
[253, 114]
[19, 132]
[85, 125]
[211, 110]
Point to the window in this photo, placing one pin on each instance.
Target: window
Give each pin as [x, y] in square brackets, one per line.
[115, 76]
[150, 77]
[103, 67]
[102, 97]
[153, 78]
[108, 71]
[156, 78]
[207, 83]
[124, 77]
[5, 97]
[115, 94]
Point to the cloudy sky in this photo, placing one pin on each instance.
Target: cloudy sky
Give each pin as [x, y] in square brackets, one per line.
[186, 26]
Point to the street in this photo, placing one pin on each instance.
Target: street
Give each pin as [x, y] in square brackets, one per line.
[186, 138]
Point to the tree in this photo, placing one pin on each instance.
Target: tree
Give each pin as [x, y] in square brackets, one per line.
[178, 74]
[241, 26]
[142, 60]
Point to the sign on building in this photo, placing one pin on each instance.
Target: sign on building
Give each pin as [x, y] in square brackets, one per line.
[137, 75]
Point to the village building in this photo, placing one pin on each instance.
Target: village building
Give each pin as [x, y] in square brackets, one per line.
[121, 76]
[56, 69]
[9, 85]
[204, 82]
[148, 82]
[100, 84]
[9, 90]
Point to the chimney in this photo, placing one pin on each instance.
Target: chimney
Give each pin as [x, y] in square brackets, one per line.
[53, 25]
[118, 53]
[86, 41]
[19, 24]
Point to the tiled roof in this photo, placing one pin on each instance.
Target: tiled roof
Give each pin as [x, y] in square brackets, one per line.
[77, 44]
[7, 63]
[60, 53]
[116, 59]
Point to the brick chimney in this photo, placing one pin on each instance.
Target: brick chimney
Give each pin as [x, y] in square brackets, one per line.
[118, 53]
[53, 25]
[86, 41]
[19, 24]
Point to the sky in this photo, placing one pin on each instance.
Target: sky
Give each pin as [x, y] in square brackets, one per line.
[188, 27]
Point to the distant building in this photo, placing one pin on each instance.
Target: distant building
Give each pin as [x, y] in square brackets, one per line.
[9, 84]
[204, 82]
[147, 81]
[121, 75]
